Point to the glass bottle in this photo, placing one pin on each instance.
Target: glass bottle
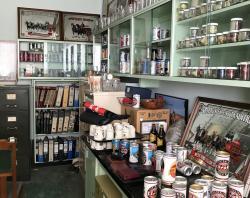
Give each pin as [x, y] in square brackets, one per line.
[153, 134]
[161, 138]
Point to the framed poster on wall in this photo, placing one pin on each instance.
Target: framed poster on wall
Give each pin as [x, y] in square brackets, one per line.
[78, 26]
[39, 24]
[218, 125]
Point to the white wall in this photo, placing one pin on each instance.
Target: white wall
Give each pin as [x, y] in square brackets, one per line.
[8, 11]
[191, 91]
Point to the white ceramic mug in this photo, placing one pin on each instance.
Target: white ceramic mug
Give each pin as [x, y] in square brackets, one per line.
[131, 131]
[99, 146]
[118, 134]
[125, 132]
[109, 145]
[104, 129]
[92, 144]
[110, 134]
[92, 130]
[99, 134]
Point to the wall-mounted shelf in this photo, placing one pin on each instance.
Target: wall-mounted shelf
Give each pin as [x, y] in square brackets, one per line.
[161, 40]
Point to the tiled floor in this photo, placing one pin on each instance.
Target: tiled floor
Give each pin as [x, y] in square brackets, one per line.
[54, 182]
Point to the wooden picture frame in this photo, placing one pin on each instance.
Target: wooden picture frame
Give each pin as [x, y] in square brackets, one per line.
[219, 125]
[112, 7]
[78, 26]
[39, 24]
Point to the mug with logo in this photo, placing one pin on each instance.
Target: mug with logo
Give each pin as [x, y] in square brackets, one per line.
[92, 130]
[99, 134]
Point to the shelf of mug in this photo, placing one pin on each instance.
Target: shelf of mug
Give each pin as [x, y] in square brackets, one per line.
[64, 134]
[226, 45]
[138, 137]
[56, 108]
[205, 81]
[227, 12]
[161, 40]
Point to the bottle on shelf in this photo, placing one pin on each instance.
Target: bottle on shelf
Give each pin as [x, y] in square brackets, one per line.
[161, 138]
[153, 134]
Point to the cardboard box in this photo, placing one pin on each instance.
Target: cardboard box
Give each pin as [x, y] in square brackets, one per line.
[105, 188]
[138, 116]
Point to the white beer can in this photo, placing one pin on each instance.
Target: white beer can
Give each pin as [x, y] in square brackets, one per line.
[236, 188]
[195, 191]
[150, 187]
[219, 189]
[221, 171]
[180, 189]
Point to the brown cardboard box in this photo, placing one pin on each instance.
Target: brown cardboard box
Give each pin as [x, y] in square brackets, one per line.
[139, 115]
[105, 188]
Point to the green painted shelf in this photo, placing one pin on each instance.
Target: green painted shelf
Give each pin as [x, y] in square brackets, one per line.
[222, 46]
[226, 12]
[205, 81]
[161, 40]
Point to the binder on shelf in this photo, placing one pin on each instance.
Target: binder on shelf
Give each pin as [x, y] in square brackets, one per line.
[46, 100]
[70, 148]
[65, 148]
[66, 121]
[71, 96]
[37, 94]
[60, 150]
[42, 97]
[77, 148]
[65, 96]
[76, 97]
[60, 121]
[50, 122]
[36, 150]
[38, 122]
[56, 149]
[46, 149]
[42, 121]
[59, 96]
[51, 150]
[71, 121]
[54, 121]
[52, 99]
[40, 151]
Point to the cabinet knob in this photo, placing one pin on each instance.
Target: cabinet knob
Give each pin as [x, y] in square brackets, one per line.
[12, 128]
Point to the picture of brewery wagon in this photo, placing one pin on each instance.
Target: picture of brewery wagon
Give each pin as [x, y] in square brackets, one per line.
[78, 27]
[39, 24]
[218, 127]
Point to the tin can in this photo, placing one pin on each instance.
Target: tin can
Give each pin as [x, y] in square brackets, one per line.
[162, 71]
[155, 33]
[124, 148]
[158, 67]
[41, 58]
[136, 100]
[219, 189]
[160, 53]
[180, 180]
[174, 148]
[168, 193]
[153, 68]
[158, 160]
[121, 40]
[163, 33]
[196, 169]
[169, 171]
[222, 165]
[181, 154]
[169, 147]
[195, 191]
[184, 168]
[133, 152]
[244, 68]
[150, 187]
[25, 56]
[209, 179]
[180, 190]
[115, 147]
[236, 188]
[147, 157]
[204, 183]
[127, 40]
[124, 40]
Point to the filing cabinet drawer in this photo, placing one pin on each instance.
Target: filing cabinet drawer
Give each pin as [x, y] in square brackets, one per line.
[14, 99]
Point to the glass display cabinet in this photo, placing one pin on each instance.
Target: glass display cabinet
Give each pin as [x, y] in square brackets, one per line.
[40, 59]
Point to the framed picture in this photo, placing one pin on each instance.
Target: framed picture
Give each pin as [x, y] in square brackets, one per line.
[112, 7]
[78, 27]
[216, 125]
[39, 24]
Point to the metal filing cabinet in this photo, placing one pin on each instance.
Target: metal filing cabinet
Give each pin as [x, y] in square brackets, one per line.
[15, 122]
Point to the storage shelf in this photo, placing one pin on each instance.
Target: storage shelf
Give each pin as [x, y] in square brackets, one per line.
[59, 134]
[161, 40]
[216, 14]
[205, 81]
[104, 59]
[226, 45]
[55, 108]
[124, 48]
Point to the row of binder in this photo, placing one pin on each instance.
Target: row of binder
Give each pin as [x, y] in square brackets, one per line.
[59, 96]
[57, 121]
[56, 149]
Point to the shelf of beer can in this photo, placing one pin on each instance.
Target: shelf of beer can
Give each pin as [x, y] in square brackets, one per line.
[59, 134]
[56, 108]
[161, 40]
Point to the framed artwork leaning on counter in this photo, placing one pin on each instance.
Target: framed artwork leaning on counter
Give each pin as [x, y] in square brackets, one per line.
[218, 125]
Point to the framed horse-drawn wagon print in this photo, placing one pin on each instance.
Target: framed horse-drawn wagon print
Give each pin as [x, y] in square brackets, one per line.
[218, 125]
[78, 27]
[39, 24]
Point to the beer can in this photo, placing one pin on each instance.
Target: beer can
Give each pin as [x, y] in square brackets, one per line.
[175, 147]
[219, 189]
[205, 184]
[209, 179]
[181, 154]
[127, 40]
[168, 193]
[147, 157]
[180, 190]
[158, 160]
[41, 57]
[235, 188]
[160, 53]
[121, 40]
[124, 148]
[195, 191]
[180, 180]
[169, 147]
[136, 100]
[155, 33]
[184, 168]
[162, 64]
[124, 40]
[158, 67]
[222, 165]
[169, 171]
[133, 152]
[163, 33]
[153, 68]
[21, 56]
[150, 187]
[115, 147]
[196, 169]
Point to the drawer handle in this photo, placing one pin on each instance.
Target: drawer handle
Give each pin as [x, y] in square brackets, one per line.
[11, 106]
[12, 128]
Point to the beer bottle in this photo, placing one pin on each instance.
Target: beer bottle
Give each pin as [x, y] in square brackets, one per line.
[153, 134]
[161, 138]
